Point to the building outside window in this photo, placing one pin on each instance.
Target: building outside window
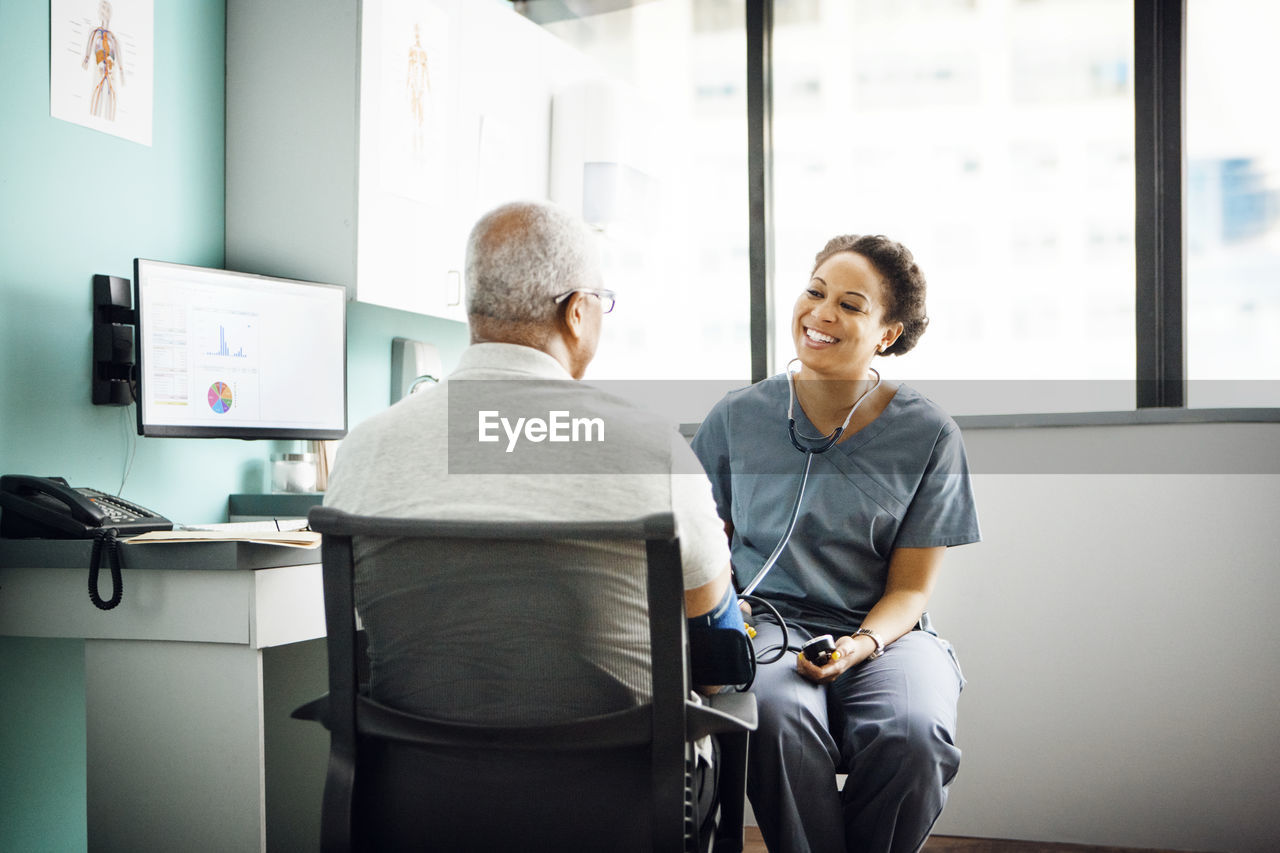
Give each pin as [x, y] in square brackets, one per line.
[995, 139]
[1233, 204]
[678, 258]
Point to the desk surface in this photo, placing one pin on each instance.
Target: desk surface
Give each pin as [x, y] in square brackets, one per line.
[188, 592]
[206, 556]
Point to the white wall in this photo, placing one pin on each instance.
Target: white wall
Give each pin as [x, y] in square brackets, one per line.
[1117, 627]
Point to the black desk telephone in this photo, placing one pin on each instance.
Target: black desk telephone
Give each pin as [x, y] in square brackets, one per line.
[48, 508]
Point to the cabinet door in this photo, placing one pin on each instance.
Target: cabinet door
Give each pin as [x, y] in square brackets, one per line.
[291, 139]
[363, 144]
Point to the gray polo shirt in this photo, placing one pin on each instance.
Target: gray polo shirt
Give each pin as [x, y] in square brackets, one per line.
[422, 458]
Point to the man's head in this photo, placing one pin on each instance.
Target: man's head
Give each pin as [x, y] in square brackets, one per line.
[520, 257]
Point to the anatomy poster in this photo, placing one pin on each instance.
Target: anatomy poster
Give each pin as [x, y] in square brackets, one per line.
[416, 97]
[101, 65]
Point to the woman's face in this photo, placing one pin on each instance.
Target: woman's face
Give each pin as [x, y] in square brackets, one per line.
[838, 322]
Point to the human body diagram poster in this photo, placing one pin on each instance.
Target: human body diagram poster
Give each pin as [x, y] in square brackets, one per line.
[101, 65]
[415, 98]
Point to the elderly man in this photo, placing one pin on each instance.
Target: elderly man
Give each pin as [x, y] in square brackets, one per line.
[535, 306]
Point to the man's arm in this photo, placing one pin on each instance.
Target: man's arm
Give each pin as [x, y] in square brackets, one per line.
[701, 600]
[718, 644]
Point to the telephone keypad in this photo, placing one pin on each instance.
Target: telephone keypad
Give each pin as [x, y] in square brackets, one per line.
[115, 509]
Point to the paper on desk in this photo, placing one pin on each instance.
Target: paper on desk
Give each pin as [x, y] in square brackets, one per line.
[290, 538]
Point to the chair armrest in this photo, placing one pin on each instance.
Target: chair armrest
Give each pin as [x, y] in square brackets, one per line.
[740, 705]
[727, 712]
[316, 711]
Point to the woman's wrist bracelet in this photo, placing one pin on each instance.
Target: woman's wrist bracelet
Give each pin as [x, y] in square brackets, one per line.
[875, 638]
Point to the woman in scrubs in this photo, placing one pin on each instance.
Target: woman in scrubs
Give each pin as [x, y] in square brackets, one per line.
[880, 508]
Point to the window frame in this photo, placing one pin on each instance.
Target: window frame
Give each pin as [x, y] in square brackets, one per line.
[1159, 42]
[1159, 60]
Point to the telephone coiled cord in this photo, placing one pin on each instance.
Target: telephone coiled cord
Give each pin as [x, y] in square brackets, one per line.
[107, 539]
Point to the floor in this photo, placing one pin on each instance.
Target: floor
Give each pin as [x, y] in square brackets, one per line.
[953, 844]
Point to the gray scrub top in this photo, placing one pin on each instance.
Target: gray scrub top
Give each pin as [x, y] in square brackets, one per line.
[902, 481]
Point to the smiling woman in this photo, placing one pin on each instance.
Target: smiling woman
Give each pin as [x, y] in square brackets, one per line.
[859, 555]
[865, 297]
[838, 323]
[848, 295]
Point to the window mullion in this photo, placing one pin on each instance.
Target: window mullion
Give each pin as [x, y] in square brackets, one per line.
[760, 181]
[1159, 35]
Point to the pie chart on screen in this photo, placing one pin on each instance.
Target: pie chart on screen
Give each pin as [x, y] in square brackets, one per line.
[220, 397]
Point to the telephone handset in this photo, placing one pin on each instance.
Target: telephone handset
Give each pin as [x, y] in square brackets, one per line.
[49, 508]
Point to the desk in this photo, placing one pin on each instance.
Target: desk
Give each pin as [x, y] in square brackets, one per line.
[188, 687]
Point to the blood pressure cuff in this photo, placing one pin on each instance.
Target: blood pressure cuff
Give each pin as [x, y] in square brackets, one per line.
[719, 651]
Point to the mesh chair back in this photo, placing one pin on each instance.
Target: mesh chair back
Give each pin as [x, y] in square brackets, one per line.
[522, 737]
[458, 630]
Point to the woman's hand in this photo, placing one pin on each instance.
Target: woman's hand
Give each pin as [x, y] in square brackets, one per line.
[851, 654]
[912, 574]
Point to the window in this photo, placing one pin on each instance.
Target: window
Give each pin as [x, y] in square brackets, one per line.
[995, 140]
[676, 69]
[1233, 204]
[1018, 147]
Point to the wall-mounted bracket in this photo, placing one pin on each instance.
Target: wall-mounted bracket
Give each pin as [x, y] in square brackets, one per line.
[113, 329]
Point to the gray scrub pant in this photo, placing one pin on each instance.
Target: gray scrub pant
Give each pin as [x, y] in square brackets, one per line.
[888, 723]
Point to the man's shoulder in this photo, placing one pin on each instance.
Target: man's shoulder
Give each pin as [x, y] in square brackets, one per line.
[417, 412]
[404, 440]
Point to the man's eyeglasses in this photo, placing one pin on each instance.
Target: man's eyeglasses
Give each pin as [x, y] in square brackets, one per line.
[607, 297]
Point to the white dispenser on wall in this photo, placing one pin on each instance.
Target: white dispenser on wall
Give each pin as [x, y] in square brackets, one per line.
[413, 365]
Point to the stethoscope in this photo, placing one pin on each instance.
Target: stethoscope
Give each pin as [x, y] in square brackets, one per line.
[810, 446]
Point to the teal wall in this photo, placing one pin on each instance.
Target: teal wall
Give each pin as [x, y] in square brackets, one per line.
[370, 329]
[75, 202]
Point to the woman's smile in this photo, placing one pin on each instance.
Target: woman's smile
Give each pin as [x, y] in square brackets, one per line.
[819, 338]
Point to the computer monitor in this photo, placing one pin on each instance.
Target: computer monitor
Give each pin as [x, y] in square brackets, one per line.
[226, 354]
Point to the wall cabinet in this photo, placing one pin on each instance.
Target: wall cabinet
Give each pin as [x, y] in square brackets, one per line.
[364, 139]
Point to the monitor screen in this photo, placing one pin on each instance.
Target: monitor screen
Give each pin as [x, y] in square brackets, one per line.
[232, 355]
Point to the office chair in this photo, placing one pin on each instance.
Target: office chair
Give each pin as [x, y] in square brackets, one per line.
[618, 780]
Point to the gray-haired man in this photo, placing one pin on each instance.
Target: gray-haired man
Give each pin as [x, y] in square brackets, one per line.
[536, 306]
